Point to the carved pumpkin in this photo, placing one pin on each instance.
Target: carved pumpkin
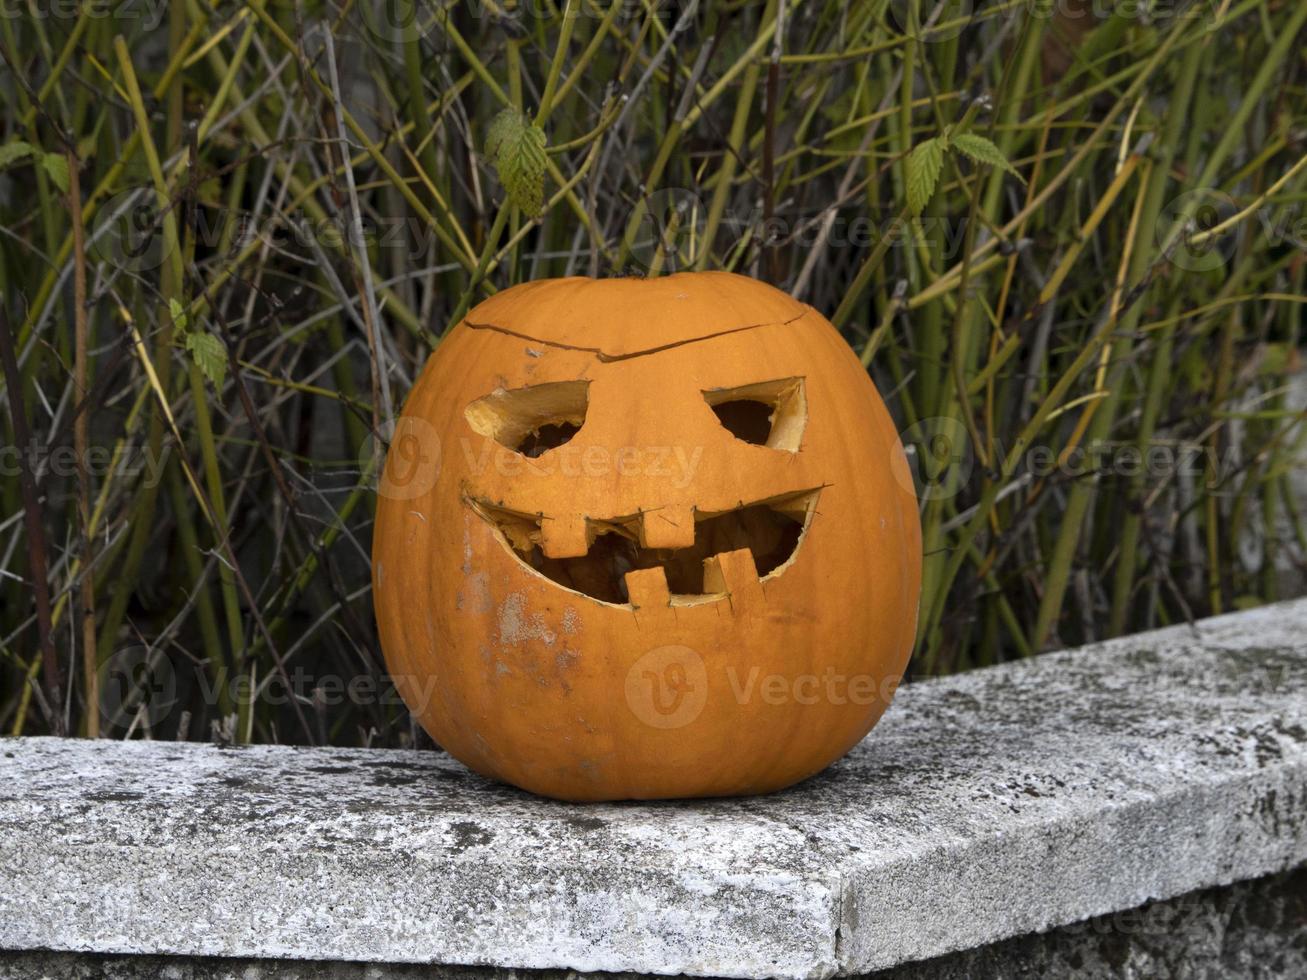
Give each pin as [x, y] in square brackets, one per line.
[646, 538]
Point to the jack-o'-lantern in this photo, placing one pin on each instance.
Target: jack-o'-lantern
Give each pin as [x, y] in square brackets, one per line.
[646, 538]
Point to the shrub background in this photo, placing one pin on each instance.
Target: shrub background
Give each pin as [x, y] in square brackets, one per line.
[1067, 240]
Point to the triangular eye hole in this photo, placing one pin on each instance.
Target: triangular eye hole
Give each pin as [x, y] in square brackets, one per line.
[532, 420]
[767, 413]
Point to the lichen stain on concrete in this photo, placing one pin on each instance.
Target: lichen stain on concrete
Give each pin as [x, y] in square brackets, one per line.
[467, 833]
[515, 626]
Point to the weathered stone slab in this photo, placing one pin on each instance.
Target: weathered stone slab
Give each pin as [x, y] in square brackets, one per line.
[994, 804]
[1255, 930]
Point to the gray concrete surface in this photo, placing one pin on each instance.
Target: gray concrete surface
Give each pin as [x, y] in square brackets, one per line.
[996, 804]
[1254, 930]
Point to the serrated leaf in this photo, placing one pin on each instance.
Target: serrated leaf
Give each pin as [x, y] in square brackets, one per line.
[506, 127]
[924, 163]
[178, 313]
[981, 150]
[56, 165]
[13, 151]
[518, 151]
[209, 355]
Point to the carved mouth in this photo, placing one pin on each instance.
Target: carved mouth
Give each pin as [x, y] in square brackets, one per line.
[771, 531]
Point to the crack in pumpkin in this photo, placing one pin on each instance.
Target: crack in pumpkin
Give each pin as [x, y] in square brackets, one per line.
[606, 358]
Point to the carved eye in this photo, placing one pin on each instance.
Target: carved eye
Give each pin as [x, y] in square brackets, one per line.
[533, 420]
[768, 413]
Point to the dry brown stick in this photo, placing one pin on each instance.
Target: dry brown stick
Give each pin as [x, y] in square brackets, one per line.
[82, 447]
[36, 553]
[772, 261]
[382, 409]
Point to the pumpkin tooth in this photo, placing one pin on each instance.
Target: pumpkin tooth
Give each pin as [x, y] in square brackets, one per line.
[647, 587]
[734, 573]
[593, 556]
[667, 527]
[564, 536]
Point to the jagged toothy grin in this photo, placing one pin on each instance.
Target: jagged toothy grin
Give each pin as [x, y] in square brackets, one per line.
[770, 530]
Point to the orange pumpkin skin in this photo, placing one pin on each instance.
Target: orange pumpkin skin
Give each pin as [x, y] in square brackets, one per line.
[688, 681]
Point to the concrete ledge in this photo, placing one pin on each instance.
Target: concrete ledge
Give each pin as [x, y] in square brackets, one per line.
[1255, 930]
[995, 804]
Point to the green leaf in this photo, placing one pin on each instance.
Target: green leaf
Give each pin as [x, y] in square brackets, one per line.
[178, 313]
[56, 165]
[1276, 359]
[13, 151]
[209, 355]
[518, 151]
[924, 163]
[984, 151]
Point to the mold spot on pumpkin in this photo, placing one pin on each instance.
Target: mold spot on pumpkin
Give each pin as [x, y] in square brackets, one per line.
[516, 626]
[616, 564]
